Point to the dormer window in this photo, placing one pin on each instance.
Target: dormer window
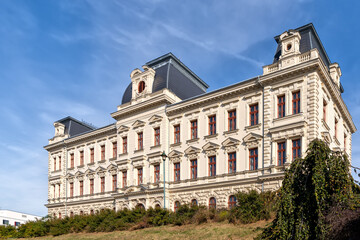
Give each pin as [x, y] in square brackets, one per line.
[141, 86]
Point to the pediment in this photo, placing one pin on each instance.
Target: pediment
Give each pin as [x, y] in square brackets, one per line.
[122, 128]
[79, 174]
[252, 137]
[135, 72]
[192, 150]
[138, 123]
[210, 146]
[89, 171]
[327, 137]
[100, 169]
[69, 175]
[230, 142]
[111, 167]
[175, 154]
[155, 118]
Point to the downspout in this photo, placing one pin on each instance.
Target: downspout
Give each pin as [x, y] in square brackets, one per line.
[262, 130]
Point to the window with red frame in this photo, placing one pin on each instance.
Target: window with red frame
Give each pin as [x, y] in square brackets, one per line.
[296, 148]
[54, 188]
[176, 171]
[345, 142]
[324, 110]
[253, 158]
[212, 203]
[124, 144]
[59, 162]
[81, 188]
[232, 120]
[176, 133]
[140, 176]
[157, 173]
[59, 215]
[140, 141]
[254, 114]
[114, 149]
[156, 136]
[71, 189]
[281, 106]
[92, 155]
[296, 102]
[141, 86]
[212, 125]
[212, 166]
[71, 214]
[72, 160]
[81, 158]
[124, 178]
[336, 128]
[102, 153]
[232, 162]
[114, 182]
[176, 206]
[281, 153]
[59, 189]
[91, 186]
[193, 168]
[102, 186]
[54, 164]
[193, 129]
[194, 202]
[232, 201]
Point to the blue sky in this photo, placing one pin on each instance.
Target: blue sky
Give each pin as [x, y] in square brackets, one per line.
[60, 58]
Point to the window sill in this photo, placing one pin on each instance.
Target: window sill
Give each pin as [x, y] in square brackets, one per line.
[156, 146]
[57, 171]
[138, 150]
[192, 140]
[81, 166]
[123, 154]
[231, 132]
[253, 126]
[112, 159]
[102, 161]
[91, 164]
[71, 168]
[210, 136]
[175, 144]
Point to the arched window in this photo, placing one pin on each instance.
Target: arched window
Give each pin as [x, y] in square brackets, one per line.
[54, 215]
[59, 215]
[81, 212]
[157, 206]
[92, 212]
[140, 206]
[232, 201]
[177, 206]
[141, 86]
[212, 203]
[71, 214]
[194, 202]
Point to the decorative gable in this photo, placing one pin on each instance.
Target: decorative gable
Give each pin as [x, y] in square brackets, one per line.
[252, 140]
[210, 148]
[192, 152]
[230, 144]
[138, 123]
[79, 175]
[100, 171]
[175, 156]
[112, 169]
[122, 128]
[155, 118]
[90, 173]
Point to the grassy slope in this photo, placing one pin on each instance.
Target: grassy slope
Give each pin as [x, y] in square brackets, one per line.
[204, 231]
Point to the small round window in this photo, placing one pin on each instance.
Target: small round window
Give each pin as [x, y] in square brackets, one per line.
[288, 47]
[141, 86]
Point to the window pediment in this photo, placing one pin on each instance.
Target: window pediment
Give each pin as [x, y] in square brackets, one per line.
[100, 170]
[192, 152]
[122, 128]
[155, 118]
[210, 148]
[79, 175]
[112, 168]
[138, 123]
[252, 140]
[175, 156]
[230, 144]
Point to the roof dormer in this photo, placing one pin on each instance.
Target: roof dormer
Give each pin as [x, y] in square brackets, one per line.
[142, 82]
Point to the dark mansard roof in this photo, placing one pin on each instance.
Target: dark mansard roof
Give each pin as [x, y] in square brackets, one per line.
[74, 127]
[172, 74]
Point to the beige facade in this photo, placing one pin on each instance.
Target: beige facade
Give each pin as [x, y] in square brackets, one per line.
[263, 123]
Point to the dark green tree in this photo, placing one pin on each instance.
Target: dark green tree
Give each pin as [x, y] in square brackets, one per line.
[311, 187]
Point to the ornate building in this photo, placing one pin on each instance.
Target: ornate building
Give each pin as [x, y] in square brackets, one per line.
[235, 138]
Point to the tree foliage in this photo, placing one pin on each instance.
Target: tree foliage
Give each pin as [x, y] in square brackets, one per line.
[311, 187]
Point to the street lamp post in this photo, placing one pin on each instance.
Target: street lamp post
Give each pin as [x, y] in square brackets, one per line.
[164, 156]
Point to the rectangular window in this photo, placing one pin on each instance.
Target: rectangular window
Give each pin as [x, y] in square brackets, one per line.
[336, 127]
[92, 155]
[193, 168]
[232, 162]
[254, 114]
[114, 149]
[124, 178]
[281, 153]
[140, 141]
[324, 110]
[345, 142]
[212, 125]
[176, 171]
[140, 176]
[102, 186]
[176, 133]
[59, 162]
[71, 189]
[212, 166]
[91, 186]
[114, 182]
[281, 106]
[296, 148]
[59, 189]
[81, 187]
[253, 158]
[81, 158]
[156, 173]
[72, 160]
[156, 136]
[102, 153]
[54, 193]
[124, 144]
[54, 163]
[5, 222]
[296, 102]
[232, 120]
[194, 129]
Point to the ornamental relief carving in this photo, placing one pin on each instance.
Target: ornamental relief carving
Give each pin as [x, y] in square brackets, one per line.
[211, 152]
